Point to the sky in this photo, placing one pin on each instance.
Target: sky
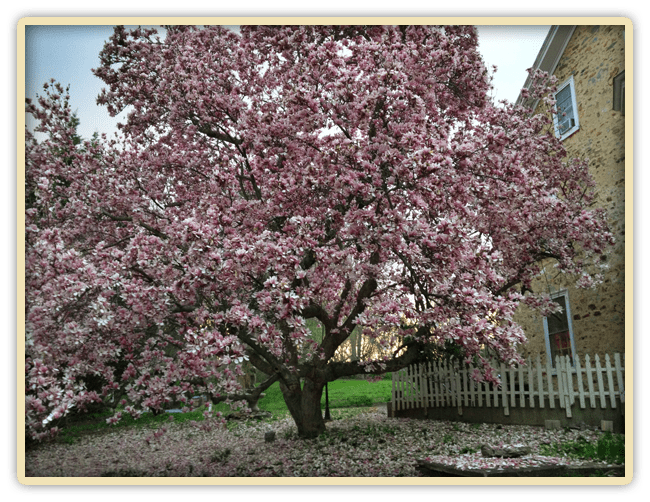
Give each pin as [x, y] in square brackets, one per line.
[69, 53]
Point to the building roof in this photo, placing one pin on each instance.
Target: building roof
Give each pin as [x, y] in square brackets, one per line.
[549, 56]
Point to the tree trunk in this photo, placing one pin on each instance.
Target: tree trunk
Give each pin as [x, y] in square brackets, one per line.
[304, 406]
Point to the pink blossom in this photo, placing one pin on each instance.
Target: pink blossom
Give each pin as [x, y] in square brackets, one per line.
[358, 176]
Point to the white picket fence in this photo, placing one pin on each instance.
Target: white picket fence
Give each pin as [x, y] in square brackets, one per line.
[531, 385]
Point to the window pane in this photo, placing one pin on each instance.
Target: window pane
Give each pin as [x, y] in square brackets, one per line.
[559, 336]
[558, 322]
[564, 124]
[560, 345]
[565, 109]
[564, 95]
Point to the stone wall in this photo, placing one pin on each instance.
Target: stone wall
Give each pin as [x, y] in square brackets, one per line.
[594, 56]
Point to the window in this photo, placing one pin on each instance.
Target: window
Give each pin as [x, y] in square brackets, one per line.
[558, 330]
[566, 120]
[619, 92]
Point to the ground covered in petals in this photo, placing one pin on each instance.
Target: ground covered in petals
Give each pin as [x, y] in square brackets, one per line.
[368, 444]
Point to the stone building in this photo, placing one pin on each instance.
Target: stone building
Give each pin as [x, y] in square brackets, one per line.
[589, 63]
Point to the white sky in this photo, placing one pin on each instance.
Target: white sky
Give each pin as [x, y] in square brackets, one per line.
[68, 53]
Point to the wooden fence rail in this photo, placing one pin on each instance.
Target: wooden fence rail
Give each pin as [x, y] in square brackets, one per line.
[533, 385]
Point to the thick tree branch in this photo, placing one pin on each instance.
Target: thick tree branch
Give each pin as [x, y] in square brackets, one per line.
[211, 133]
[144, 274]
[316, 311]
[154, 231]
[260, 363]
[151, 229]
[117, 243]
[336, 370]
[344, 296]
[275, 365]
[517, 279]
[115, 217]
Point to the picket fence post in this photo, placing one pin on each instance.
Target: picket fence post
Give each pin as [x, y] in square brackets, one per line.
[531, 383]
[561, 385]
[590, 381]
[466, 385]
[568, 367]
[540, 381]
[460, 385]
[580, 386]
[520, 382]
[449, 385]
[504, 390]
[549, 380]
[435, 383]
[610, 381]
[601, 387]
[425, 387]
[619, 379]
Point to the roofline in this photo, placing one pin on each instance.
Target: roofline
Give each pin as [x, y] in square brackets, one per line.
[549, 55]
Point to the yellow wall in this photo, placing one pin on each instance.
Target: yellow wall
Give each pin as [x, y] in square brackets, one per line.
[594, 56]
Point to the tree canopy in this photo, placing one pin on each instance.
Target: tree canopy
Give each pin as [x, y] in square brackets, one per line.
[360, 176]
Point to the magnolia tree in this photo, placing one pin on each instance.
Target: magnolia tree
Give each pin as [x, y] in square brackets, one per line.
[357, 176]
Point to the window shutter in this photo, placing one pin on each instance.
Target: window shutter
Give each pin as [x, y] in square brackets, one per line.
[619, 92]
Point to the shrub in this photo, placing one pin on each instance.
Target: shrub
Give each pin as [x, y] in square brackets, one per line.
[609, 448]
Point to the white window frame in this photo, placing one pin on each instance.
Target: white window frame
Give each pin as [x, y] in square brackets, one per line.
[547, 337]
[569, 82]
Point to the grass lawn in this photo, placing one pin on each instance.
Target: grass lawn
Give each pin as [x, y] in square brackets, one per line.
[342, 394]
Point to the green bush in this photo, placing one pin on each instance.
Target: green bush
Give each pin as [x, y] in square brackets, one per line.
[609, 448]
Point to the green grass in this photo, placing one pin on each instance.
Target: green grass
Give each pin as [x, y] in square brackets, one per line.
[96, 423]
[342, 394]
[345, 397]
[609, 448]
